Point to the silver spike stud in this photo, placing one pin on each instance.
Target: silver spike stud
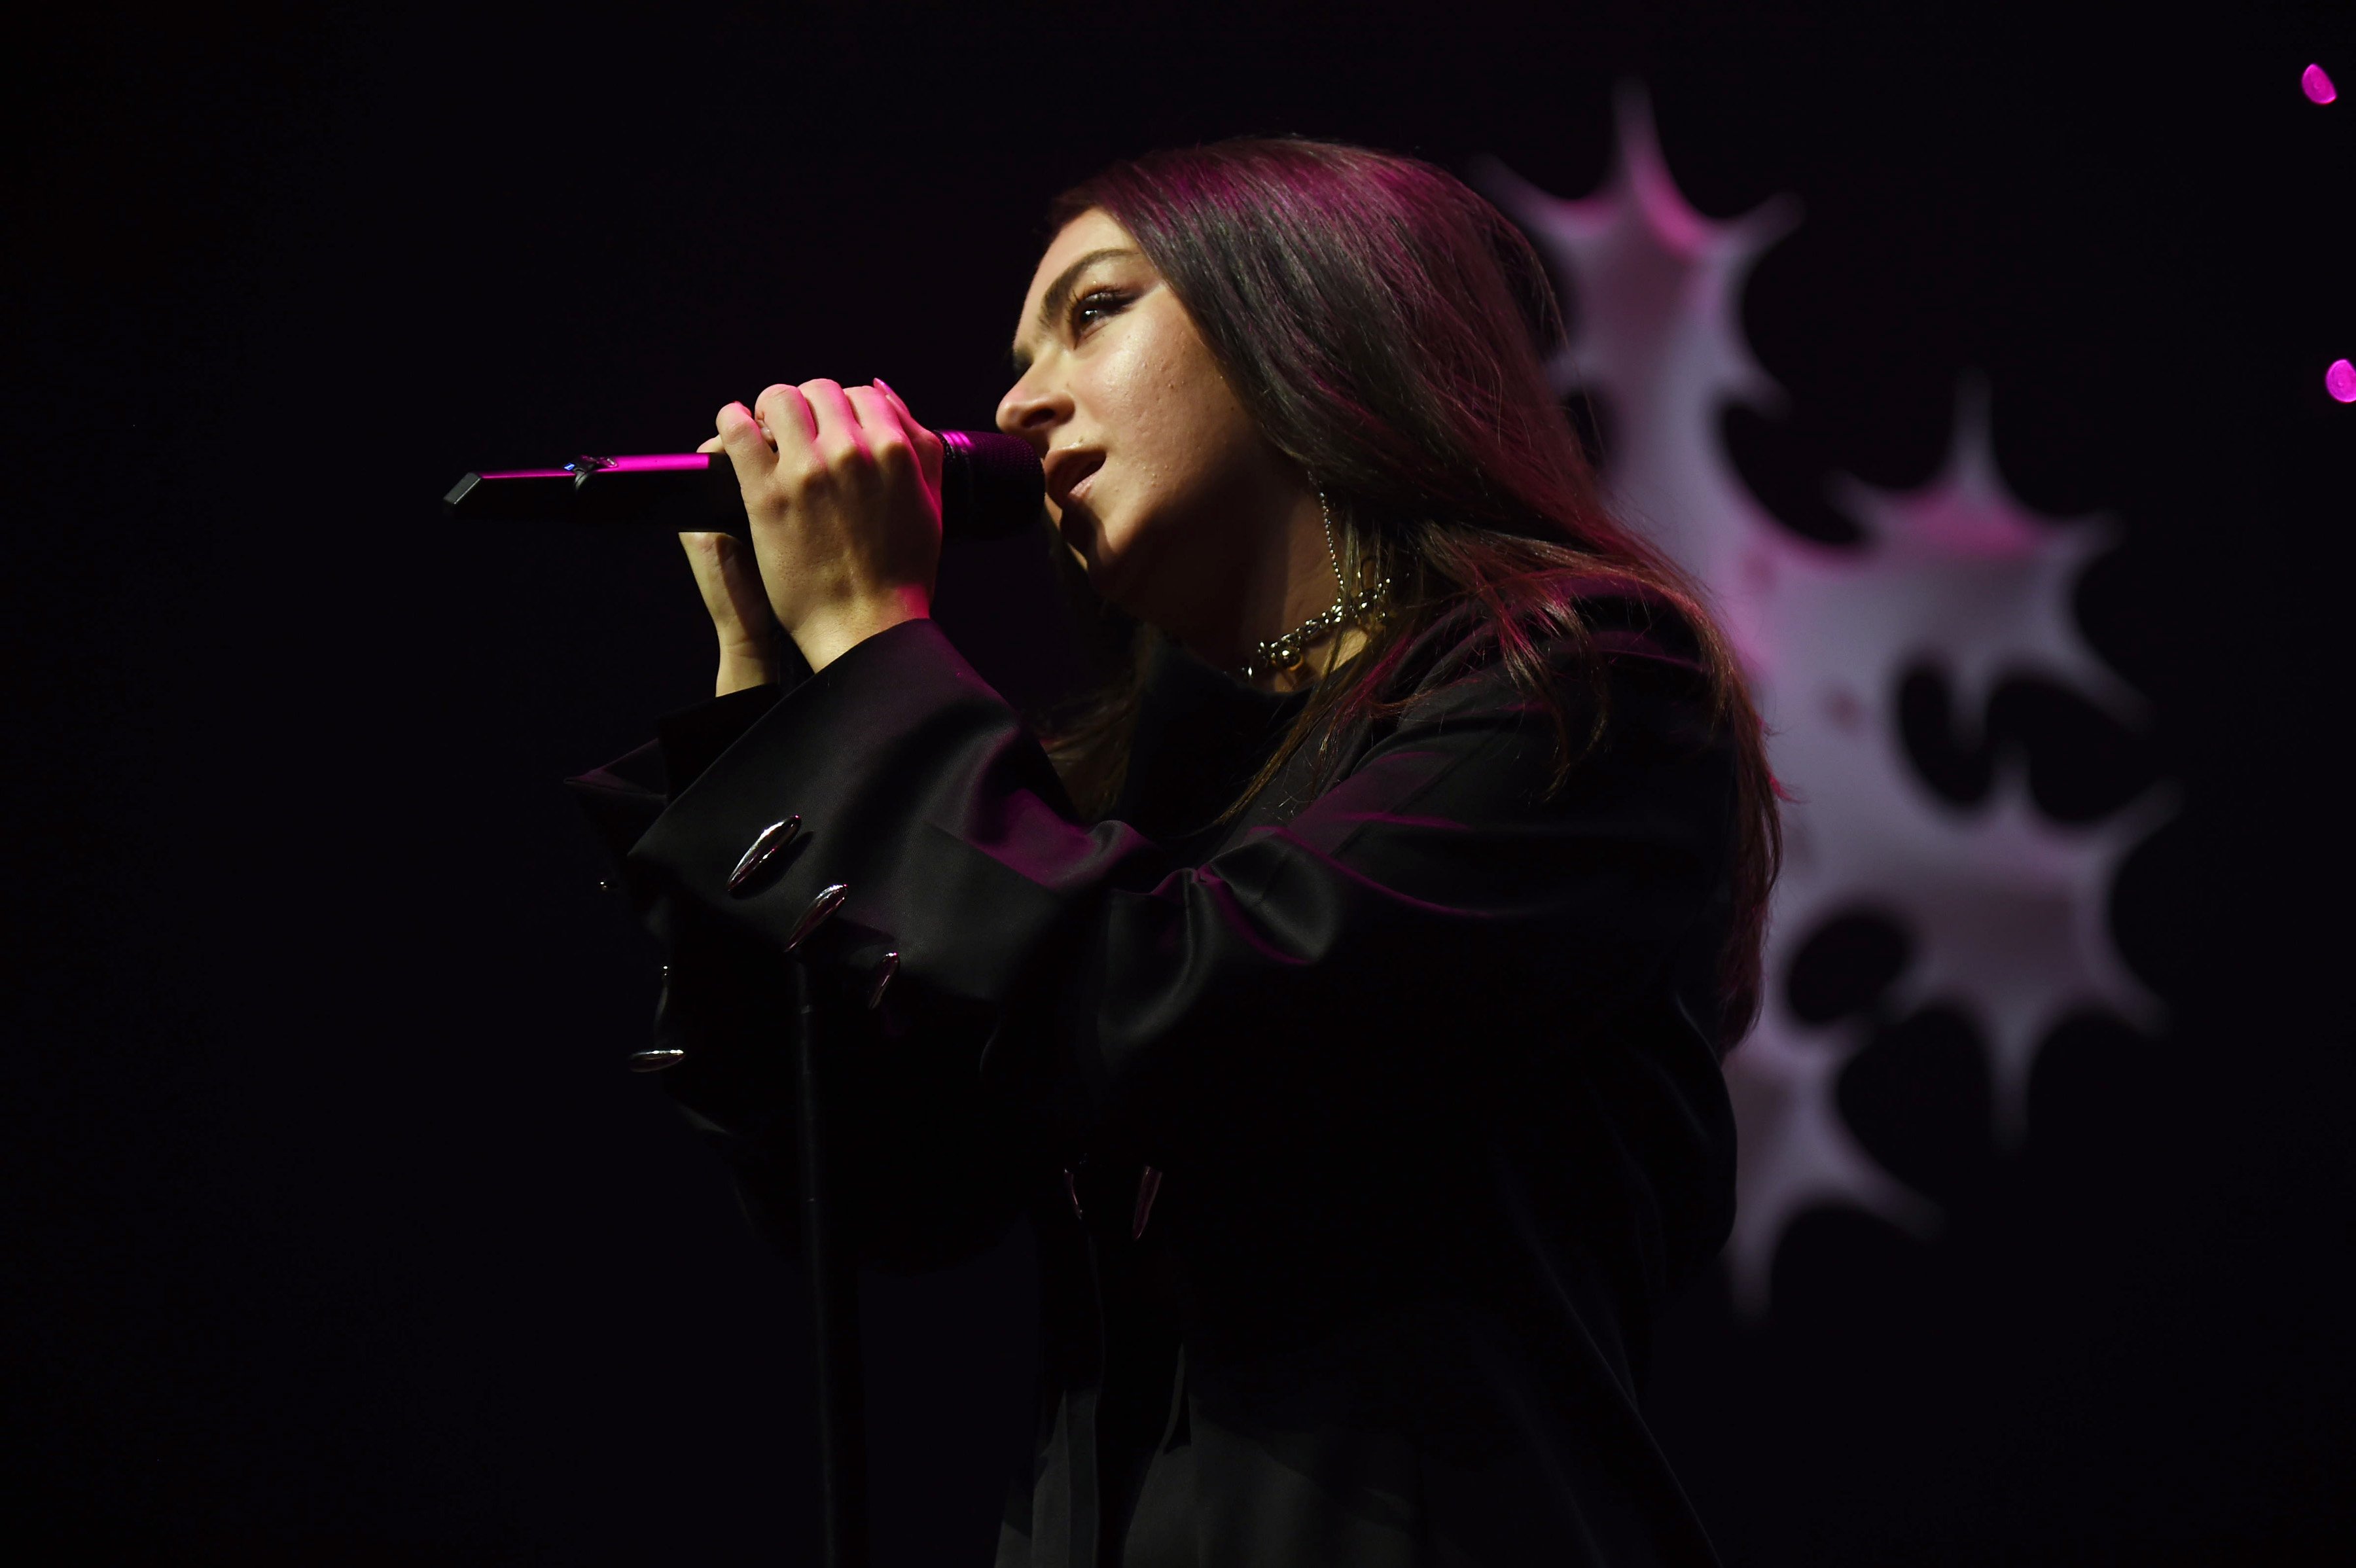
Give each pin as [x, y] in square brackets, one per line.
[828, 901]
[886, 967]
[766, 847]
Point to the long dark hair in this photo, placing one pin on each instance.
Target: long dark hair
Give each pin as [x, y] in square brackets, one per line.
[1383, 325]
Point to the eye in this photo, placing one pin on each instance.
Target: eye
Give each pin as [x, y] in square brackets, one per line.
[1097, 306]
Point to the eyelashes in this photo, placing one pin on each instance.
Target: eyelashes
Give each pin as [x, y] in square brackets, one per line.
[1093, 307]
[1081, 316]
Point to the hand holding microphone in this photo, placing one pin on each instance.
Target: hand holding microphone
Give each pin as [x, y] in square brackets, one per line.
[843, 490]
[842, 495]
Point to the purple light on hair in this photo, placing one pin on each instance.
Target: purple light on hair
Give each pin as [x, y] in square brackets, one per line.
[2340, 381]
[2317, 85]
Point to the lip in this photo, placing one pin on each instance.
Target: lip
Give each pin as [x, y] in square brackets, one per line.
[1069, 470]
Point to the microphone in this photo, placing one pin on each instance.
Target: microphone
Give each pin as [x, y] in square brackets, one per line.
[991, 488]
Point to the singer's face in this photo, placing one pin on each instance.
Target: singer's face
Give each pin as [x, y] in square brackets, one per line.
[1156, 476]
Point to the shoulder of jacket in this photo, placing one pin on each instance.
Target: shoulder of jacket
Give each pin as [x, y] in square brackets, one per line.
[1626, 637]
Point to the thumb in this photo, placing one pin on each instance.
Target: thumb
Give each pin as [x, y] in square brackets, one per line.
[740, 571]
[729, 580]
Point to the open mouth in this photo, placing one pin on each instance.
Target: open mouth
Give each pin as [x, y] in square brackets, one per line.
[1069, 473]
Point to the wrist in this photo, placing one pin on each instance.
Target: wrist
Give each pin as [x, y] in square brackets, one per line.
[828, 635]
[742, 667]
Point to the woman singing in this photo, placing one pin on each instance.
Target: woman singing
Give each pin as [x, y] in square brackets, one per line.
[1342, 994]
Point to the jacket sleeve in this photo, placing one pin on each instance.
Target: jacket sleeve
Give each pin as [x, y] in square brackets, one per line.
[623, 799]
[921, 1151]
[1394, 953]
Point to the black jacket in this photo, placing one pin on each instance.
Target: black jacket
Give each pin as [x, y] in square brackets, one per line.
[1363, 1134]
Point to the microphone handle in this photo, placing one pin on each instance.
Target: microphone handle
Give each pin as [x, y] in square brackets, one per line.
[991, 488]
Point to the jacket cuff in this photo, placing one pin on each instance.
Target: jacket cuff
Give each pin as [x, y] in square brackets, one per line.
[692, 739]
[877, 755]
[623, 799]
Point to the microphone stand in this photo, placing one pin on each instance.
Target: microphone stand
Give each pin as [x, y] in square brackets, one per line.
[834, 1302]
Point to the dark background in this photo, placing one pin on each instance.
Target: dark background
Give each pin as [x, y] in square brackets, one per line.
[336, 1231]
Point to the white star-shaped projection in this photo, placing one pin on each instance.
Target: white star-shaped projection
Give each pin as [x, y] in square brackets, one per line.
[2006, 909]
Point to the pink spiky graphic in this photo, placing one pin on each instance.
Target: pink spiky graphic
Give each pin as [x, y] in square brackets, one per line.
[2007, 911]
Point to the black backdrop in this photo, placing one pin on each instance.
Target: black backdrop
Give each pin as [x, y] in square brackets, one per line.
[336, 1232]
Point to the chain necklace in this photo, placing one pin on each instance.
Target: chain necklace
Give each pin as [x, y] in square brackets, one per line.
[1281, 655]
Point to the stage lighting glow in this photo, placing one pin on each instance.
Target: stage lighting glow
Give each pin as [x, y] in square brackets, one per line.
[2317, 85]
[2006, 908]
[2340, 381]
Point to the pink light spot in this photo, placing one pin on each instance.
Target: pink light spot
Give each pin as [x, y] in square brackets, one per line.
[2340, 381]
[2317, 85]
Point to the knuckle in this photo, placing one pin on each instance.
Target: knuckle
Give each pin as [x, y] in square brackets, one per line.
[840, 448]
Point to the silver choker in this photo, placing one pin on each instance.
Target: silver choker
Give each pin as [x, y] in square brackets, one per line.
[1281, 655]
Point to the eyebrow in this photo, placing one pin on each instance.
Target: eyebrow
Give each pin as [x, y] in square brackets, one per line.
[1059, 293]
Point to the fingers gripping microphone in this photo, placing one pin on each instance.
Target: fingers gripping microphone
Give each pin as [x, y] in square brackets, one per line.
[991, 487]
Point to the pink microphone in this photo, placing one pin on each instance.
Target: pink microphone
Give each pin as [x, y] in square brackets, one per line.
[991, 487]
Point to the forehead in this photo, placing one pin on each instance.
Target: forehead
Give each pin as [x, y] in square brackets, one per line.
[1091, 230]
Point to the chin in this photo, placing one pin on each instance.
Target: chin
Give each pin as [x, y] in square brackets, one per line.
[1084, 536]
[1111, 583]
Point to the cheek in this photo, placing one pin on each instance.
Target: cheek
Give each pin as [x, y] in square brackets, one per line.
[1185, 438]
[1132, 394]
[1187, 463]
[1128, 398]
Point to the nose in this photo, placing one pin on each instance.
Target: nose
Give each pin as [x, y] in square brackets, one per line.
[1032, 409]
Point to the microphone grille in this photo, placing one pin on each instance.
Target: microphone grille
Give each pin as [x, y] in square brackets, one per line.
[992, 485]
